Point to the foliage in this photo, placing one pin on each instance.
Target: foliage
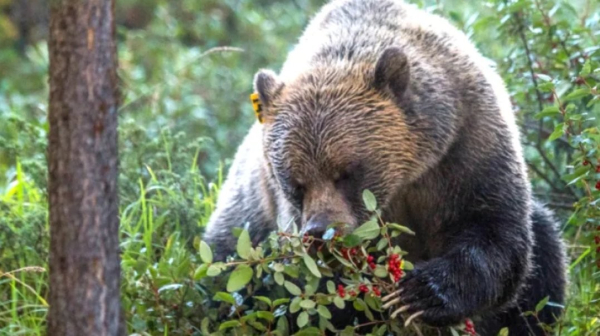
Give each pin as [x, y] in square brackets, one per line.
[276, 287]
[185, 110]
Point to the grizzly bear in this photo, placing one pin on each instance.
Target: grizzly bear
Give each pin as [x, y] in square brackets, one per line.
[380, 95]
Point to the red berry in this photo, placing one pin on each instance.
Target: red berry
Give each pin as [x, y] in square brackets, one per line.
[598, 168]
[586, 162]
[376, 291]
[341, 291]
[370, 258]
[597, 240]
[345, 253]
[353, 251]
[598, 185]
[363, 288]
[372, 265]
[470, 327]
[352, 293]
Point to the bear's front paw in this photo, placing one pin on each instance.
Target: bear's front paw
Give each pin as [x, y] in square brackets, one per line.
[428, 298]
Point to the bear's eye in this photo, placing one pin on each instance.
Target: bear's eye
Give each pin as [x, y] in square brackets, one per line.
[297, 194]
[341, 177]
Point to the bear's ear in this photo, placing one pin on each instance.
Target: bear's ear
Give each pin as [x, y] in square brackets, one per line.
[392, 72]
[268, 86]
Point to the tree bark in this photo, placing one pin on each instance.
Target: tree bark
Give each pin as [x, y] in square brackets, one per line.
[83, 167]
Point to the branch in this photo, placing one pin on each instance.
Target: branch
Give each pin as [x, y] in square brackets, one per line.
[545, 178]
[538, 93]
[546, 133]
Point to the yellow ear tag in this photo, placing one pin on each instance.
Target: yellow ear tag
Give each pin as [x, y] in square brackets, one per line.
[256, 104]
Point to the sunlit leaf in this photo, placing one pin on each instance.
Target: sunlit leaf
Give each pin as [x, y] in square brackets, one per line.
[205, 252]
[369, 200]
[239, 278]
[244, 245]
[292, 288]
[311, 265]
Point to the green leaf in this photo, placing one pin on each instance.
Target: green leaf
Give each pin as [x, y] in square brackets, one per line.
[369, 199]
[213, 270]
[373, 302]
[204, 325]
[230, 324]
[547, 112]
[292, 270]
[380, 271]
[279, 279]
[282, 325]
[543, 77]
[244, 245]
[558, 132]
[265, 315]
[200, 272]
[383, 242]
[302, 319]
[401, 228]
[407, 265]
[312, 331]
[546, 87]
[323, 299]
[369, 230]
[205, 253]
[351, 240]
[265, 300]
[323, 311]
[381, 331]
[586, 69]
[454, 332]
[224, 297]
[295, 305]
[542, 304]
[239, 278]
[279, 302]
[359, 305]
[348, 331]
[311, 265]
[292, 288]
[339, 302]
[503, 332]
[307, 304]
[256, 325]
[330, 287]
[578, 93]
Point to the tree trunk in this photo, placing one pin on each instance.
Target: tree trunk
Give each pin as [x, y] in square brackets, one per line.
[84, 244]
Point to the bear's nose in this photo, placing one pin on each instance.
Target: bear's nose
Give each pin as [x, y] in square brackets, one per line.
[317, 225]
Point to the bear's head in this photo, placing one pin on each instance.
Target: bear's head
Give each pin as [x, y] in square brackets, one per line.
[335, 131]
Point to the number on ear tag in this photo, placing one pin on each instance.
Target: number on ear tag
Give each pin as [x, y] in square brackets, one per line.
[257, 106]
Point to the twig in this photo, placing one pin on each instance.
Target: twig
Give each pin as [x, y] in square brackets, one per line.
[543, 176]
[538, 93]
